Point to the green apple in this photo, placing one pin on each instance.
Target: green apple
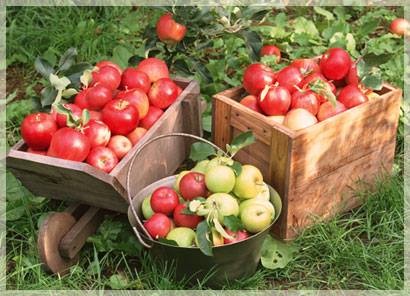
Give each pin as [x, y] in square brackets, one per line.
[265, 203]
[147, 211]
[264, 194]
[201, 166]
[183, 236]
[220, 178]
[256, 217]
[219, 160]
[225, 204]
[248, 183]
[179, 178]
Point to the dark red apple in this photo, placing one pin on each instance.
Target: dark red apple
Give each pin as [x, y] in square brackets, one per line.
[158, 225]
[274, 100]
[152, 116]
[288, 77]
[335, 63]
[154, 68]
[107, 76]
[305, 99]
[256, 77]
[185, 220]
[237, 236]
[351, 96]
[306, 66]
[97, 132]
[192, 185]
[132, 78]
[270, 50]
[98, 96]
[164, 200]
[168, 30]
[163, 93]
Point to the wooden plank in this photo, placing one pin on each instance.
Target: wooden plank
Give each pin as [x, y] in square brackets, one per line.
[328, 145]
[258, 149]
[333, 193]
[245, 157]
[74, 240]
[221, 117]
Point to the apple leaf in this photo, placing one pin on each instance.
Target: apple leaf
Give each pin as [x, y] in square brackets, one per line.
[237, 167]
[323, 89]
[201, 151]
[370, 76]
[220, 229]
[167, 241]
[85, 117]
[241, 141]
[233, 223]
[202, 232]
[276, 254]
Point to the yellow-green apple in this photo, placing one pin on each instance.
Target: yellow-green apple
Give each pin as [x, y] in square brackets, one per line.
[255, 217]
[183, 236]
[248, 183]
[147, 211]
[264, 194]
[220, 178]
[225, 204]
[254, 201]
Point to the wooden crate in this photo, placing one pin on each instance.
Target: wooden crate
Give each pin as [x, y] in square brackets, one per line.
[314, 169]
[81, 182]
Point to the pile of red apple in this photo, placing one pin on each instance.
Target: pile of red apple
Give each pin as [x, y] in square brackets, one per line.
[306, 91]
[121, 106]
[209, 193]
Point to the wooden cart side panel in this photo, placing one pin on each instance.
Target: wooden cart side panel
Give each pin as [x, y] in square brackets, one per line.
[351, 135]
[59, 182]
[334, 193]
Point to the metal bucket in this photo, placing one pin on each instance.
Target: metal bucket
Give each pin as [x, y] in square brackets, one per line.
[229, 262]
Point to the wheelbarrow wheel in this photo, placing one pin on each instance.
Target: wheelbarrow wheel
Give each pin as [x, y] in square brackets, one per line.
[51, 232]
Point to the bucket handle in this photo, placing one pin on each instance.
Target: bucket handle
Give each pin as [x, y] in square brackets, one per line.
[137, 152]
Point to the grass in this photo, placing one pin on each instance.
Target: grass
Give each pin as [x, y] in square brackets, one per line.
[362, 249]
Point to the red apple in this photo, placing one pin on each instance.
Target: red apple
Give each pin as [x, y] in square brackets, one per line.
[288, 77]
[136, 135]
[352, 77]
[95, 115]
[351, 96]
[61, 119]
[132, 78]
[98, 96]
[306, 66]
[256, 77]
[164, 200]
[335, 63]
[136, 97]
[154, 68]
[39, 152]
[170, 31]
[305, 99]
[270, 50]
[102, 158]
[121, 116]
[107, 76]
[251, 102]
[97, 132]
[153, 115]
[158, 225]
[327, 110]
[81, 99]
[109, 63]
[274, 100]
[400, 26]
[192, 185]
[237, 236]
[185, 220]
[120, 145]
[163, 93]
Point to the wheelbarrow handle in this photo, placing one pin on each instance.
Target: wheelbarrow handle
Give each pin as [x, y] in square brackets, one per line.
[137, 152]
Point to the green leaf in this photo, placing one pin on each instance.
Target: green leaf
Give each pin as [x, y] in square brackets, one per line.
[233, 223]
[322, 88]
[269, 60]
[202, 232]
[236, 167]
[118, 282]
[43, 67]
[370, 76]
[253, 43]
[68, 93]
[48, 95]
[241, 141]
[327, 14]
[50, 57]
[201, 151]
[207, 123]
[276, 254]
[67, 59]
[167, 241]
[121, 55]
[85, 117]
[59, 83]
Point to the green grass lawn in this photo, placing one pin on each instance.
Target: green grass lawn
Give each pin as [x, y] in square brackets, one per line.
[363, 249]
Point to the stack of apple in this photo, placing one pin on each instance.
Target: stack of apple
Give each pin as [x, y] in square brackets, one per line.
[306, 91]
[109, 115]
[234, 206]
